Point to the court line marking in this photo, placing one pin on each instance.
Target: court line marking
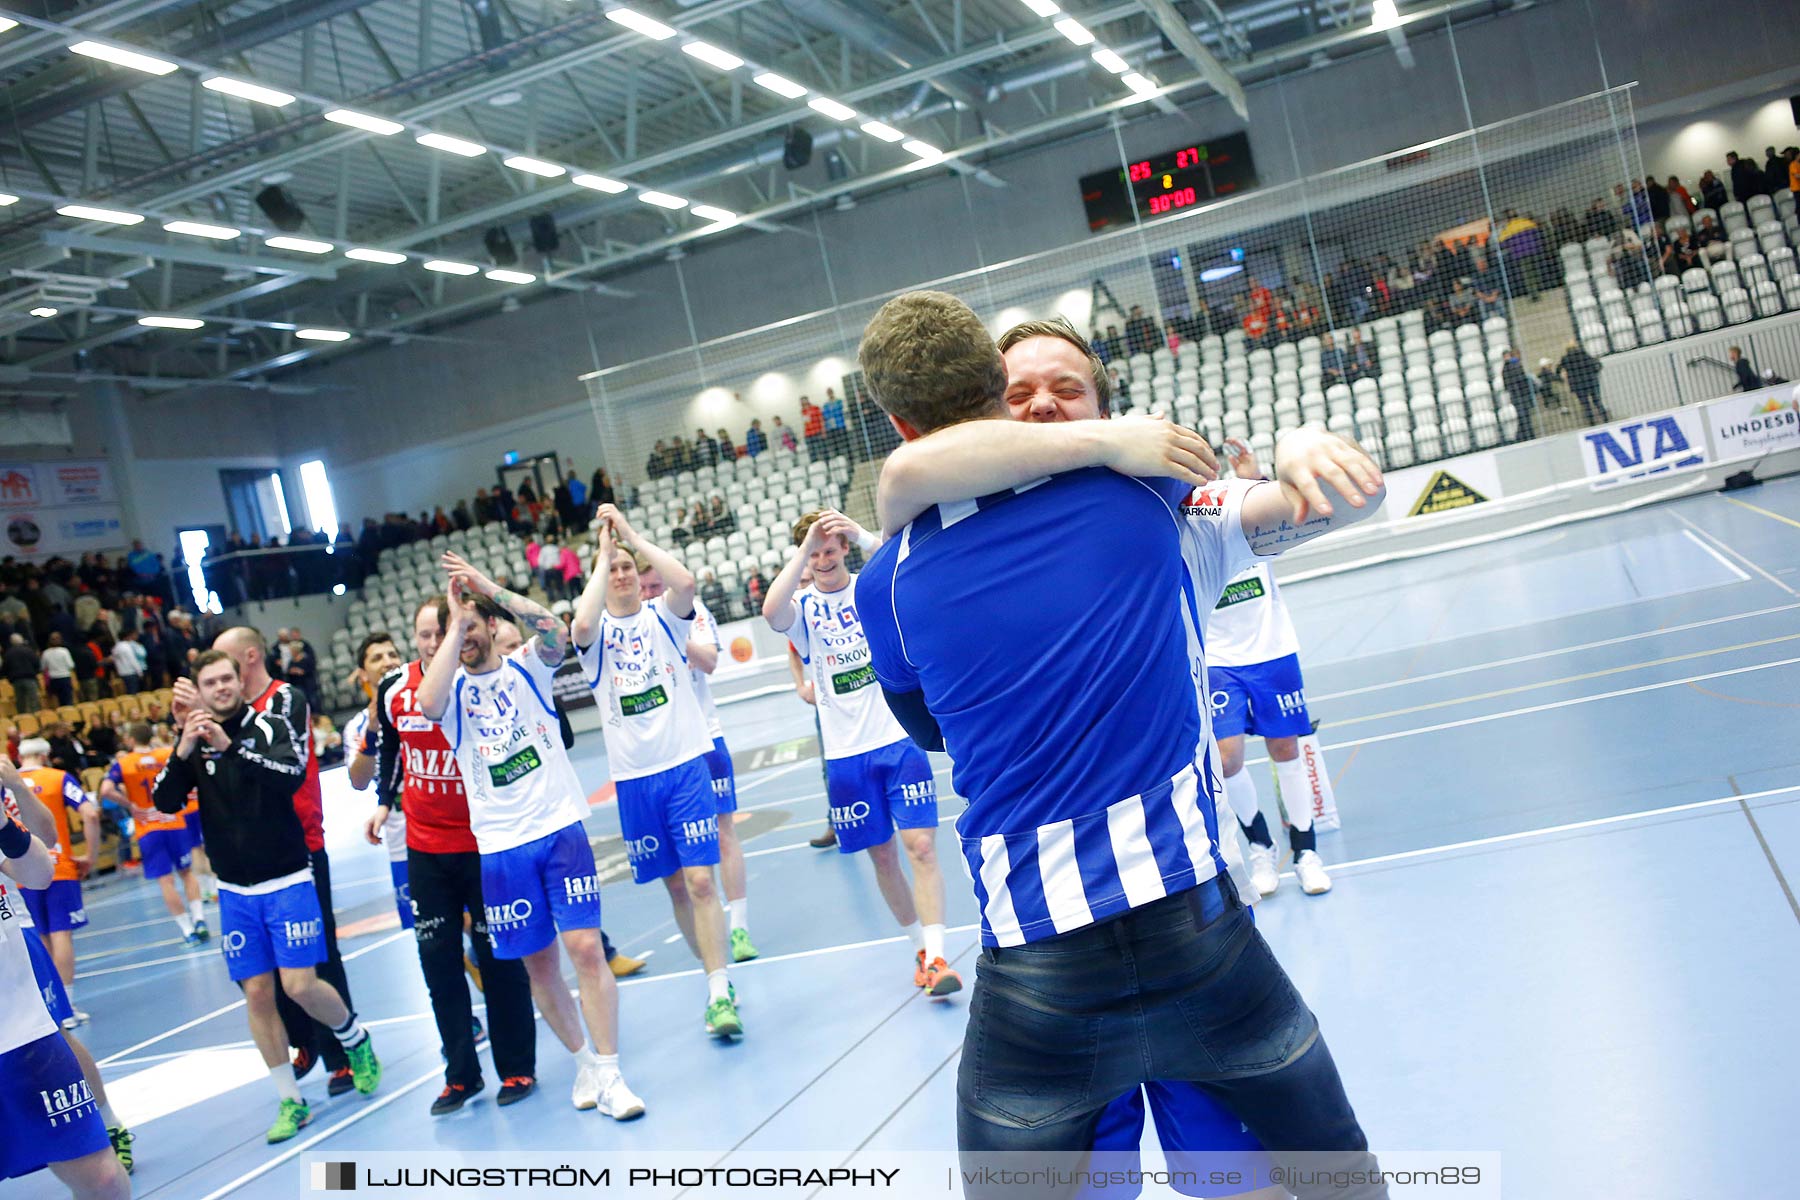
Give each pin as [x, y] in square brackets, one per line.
[157, 962]
[773, 774]
[1549, 830]
[1586, 675]
[182, 1028]
[1773, 516]
[1716, 540]
[1768, 854]
[1719, 558]
[1533, 657]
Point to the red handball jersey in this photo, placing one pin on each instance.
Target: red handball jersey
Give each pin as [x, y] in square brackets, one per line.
[288, 704]
[417, 771]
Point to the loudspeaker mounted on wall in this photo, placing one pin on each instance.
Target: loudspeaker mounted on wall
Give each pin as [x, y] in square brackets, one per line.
[796, 148]
[500, 247]
[282, 210]
[543, 234]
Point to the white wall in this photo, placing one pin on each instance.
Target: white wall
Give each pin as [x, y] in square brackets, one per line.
[1689, 145]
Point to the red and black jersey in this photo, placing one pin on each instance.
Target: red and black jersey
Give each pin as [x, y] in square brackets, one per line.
[287, 704]
[416, 770]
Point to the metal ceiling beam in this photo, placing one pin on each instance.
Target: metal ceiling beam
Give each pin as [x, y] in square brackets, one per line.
[1175, 28]
[196, 255]
[27, 44]
[876, 33]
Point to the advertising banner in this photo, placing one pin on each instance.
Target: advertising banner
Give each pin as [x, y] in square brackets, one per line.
[1640, 447]
[1752, 423]
[1447, 486]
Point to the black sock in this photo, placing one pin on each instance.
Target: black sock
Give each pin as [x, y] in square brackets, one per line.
[1258, 831]
[1299, 839]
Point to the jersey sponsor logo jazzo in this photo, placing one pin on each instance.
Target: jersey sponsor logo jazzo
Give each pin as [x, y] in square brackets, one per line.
[642, 847]
[299, 933]
[849, 814]
[700, 831]
[511, 915]
[65, 1105]
[1291, 702]
[915, 793]
[581, 887]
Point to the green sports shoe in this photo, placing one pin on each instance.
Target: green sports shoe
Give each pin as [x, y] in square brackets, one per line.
[121, 1143]
[741, 949]
[294, 1116]
[365, 1068]
[722, 1019]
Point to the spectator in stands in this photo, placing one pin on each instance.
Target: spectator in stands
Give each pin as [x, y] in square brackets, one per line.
[87, 668]
[66, 751]
[1681, 202]
[59, 668]
[712, 592]
[22, 668]
[1635, 205]
[721, 519]
[1110, 346]
[1711, 239]
[600, 489]
[755, 442]
[755, 588]
[706, 448]
[812, 427]
[1522, 241]
[657, 465]
[1747, 381]
[1488, 287]
[1521, 392]
[1629, 264]
[1792, 154]
[460, 515]
[128, 661]
[1581, 371]
[837, 440]
[1400, 286]
[1600, 221]
[1680, 253]
[1775, 172]
[1746, 179]
[1659, 200]
[1141, 334]
[728, 452]
[562, 503]
[177, 641]
[571, 569]
[1459, 306]
[1360, 362]
[1332, 368]
[698, 522]
[783, 436]
[1712, 192]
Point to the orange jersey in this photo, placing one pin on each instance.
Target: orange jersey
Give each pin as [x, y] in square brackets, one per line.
[135, 772]
[60, 792]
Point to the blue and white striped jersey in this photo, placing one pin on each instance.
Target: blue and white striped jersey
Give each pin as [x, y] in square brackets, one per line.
[1053, 631]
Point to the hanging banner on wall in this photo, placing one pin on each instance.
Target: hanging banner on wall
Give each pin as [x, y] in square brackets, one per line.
[59, 508]
[1759, 422]
[1643, 446]
[1448, 486]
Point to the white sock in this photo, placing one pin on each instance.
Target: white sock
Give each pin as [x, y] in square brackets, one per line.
[1296, 793]
[111, 1119]
[609, 1065]
[585, 1057]
[934, 943]
[718, 986]
[186, 924]
[1240, 789]
[350, 1034]
[283, 1079]
[740, 912]
[196, 910]
[916, 932]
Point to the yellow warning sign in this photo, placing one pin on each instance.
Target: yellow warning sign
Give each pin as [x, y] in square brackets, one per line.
[1443, 493]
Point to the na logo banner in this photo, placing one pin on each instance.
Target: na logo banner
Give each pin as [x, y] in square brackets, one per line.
[1643, 446]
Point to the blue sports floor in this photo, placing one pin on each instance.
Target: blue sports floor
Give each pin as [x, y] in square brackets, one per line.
[1570, 783]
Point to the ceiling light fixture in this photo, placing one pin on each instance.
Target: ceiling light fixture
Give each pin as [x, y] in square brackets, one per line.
[662, 200]
[385, 257]
[924, 150]
[1384, 15]
[781, 85]
[1111, 61]
[199, 229]
[43, 310]
[1075, 31]
[886, 133]
[1042, 8]
[450, 145]
[712, 56]
[709, 212]
[298, 245]
[535, 166]
[831, 108]
[245, 90]
[445, 266]
[322, 335]
[600, 183]
[1137, 83]
[110, 215]
[122, 57]
[637, 22]
[501, 275]
[363, 121]
[7, 198]
[171, 322]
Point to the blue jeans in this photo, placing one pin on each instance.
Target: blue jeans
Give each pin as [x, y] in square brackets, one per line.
[1183, 988]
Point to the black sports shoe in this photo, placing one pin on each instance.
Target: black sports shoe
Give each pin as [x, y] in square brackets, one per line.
[342, 1080]
[515, 1088]
[304, 1061]
[453, 1097]
[824, 841]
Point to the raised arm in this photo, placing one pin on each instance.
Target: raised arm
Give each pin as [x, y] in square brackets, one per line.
[434, 688]
[978, 458]
[592, 601]
[1312, 467]
[32, 811]
[24, 856]
[778, 608]
[552, 633]
[678, 581]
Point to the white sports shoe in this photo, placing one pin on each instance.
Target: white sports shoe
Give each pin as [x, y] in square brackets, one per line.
[1262, 869]
[618, 1101]
[1313, 879]
[587, 1085]
[76, 1017]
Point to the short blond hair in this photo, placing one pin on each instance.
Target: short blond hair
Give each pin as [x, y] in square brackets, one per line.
[804, 526]
[929, 361]
[1060, 329]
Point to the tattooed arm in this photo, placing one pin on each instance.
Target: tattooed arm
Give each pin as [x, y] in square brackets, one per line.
[1324, 482]
[552, 633]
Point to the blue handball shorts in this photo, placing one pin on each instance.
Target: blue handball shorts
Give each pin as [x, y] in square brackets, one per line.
[872, 793]
[57, 908]
[402, 891]
[531, 891]
[1198, 1135]
[165, 851]
[1263, 700]
[724, 780]
[276, 929]
[670, 820]
[46, 1109]
[48, 981]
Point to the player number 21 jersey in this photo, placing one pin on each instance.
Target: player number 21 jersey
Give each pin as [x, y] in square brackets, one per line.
[853, 714]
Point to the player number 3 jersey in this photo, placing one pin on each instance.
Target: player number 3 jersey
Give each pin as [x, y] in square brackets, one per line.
[502, 727]
[638, 667]
[853, 714]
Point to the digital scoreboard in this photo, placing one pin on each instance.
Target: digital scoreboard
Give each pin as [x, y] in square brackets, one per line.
[1167, 183]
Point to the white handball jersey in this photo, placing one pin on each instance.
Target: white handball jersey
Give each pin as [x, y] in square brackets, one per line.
[853, 714]
[638, 667]
[23, 1017]
[9, 809]
[1250, 623]
[1214, 549]
[503, 729]
[706, 632]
